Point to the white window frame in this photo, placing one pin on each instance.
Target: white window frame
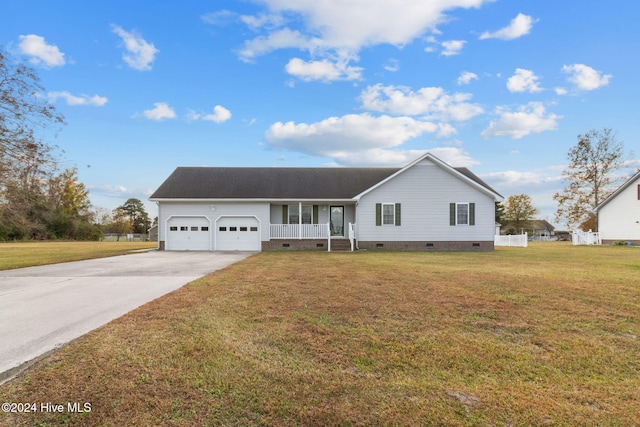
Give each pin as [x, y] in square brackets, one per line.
[297, 213]
[458, 215]
[393, 214]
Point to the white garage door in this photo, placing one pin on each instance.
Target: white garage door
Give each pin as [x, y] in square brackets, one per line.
[238, 234]
[188, 234]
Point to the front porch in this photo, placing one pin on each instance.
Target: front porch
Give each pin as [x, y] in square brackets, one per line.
[311, 236]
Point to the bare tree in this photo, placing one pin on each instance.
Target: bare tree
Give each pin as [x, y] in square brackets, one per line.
[24, 111]
[26, 160]
[590, 177]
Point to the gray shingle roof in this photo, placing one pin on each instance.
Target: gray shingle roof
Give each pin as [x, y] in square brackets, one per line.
[269, 183]
[276, 183]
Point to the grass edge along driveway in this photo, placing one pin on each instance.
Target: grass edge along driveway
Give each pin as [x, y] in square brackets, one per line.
[545, 335]
[28, 254]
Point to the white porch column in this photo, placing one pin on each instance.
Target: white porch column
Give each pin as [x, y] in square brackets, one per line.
[329, 236]
[299, 220]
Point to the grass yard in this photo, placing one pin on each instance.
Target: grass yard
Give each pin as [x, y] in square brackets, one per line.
[26, 254]
[547, 335]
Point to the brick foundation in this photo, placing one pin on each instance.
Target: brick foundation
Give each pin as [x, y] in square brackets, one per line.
[295, 245]
[427, 246]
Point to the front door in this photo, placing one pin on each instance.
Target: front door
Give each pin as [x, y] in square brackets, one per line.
[337, 220]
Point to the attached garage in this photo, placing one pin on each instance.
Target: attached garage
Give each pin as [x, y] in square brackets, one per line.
[238, 233]
[188, 234]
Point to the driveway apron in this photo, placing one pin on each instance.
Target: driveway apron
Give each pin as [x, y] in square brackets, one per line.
[45, 307]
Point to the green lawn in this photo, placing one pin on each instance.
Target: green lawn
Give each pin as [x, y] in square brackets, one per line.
[26, 254]
[545, 335]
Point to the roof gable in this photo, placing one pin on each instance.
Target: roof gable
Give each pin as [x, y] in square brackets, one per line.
[463, 174]
[618, 190]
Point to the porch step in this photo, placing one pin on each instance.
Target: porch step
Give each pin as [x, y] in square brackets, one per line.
[340, 245]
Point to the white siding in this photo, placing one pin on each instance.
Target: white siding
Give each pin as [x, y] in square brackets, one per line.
[213, 210]
[425, 192]
[618, 219]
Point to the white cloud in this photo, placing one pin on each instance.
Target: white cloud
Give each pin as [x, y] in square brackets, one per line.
[40, 52]
[523, 81]
[73, 100]
[360, 23]
[280, 39]
[161, 111]
[512, 178]
[220, 18]
[585, 77]
[334, 28]
[381, 157]
[263, 20]
[452, 47]
[324, 70]
[518, 27]
[358, 140]
[110, 190]
[432, 102]
[351, 139]
[530, 118]
[140, 53]
[561, 91]
[392, 65]
[466, 77]
[220, 115]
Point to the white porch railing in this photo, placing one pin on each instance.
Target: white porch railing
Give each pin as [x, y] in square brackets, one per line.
[299, 231]
[309, 231]
[586, 238]
[520, 240]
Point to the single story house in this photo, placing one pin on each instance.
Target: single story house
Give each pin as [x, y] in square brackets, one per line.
[619, 214]
[426, 205]
[537, 229]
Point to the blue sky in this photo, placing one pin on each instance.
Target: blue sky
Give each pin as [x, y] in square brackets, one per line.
[502, 87]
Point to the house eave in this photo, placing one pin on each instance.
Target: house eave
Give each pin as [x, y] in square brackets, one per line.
[249, 200]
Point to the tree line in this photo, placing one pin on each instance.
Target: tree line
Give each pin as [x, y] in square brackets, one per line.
[37, 199]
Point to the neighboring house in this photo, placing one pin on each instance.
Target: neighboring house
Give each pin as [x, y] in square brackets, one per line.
[427, 205]
[537, 229]
[619, 214]
[541, 229]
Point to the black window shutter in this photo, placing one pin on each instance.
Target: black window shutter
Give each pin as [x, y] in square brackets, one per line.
[398, 214]
[452, 214]
[378, 214]
[315, 214]
[285, 214]
[472, 214]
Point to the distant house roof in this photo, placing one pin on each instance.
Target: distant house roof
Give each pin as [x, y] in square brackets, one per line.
[276, 183]
[618, 191]
[541, 224]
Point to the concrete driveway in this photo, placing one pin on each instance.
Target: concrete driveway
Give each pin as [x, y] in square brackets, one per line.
[42, 308]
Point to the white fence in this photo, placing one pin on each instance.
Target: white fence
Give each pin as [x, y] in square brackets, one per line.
[520, 240]
[586, 238]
